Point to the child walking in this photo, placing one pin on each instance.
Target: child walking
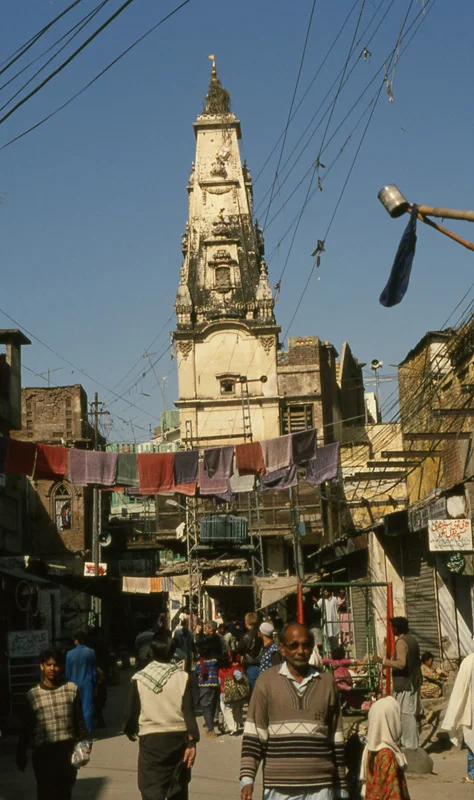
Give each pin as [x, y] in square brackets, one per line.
[383, 763]
[234, 691]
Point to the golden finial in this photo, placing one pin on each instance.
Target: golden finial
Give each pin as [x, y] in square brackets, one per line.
[213, 59]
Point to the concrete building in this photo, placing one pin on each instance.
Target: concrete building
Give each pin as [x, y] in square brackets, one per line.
[435, 383]
[408, 487]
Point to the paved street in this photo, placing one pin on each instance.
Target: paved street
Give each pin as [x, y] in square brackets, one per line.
[112, 773]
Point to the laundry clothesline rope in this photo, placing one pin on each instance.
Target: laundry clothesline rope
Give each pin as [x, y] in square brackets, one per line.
[221, 472]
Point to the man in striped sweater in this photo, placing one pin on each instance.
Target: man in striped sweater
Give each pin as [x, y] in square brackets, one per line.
[294, 726]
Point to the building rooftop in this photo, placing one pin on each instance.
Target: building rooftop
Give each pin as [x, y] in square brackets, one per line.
[13, 336]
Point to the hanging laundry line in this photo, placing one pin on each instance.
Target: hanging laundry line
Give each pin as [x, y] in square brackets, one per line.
[221, 471]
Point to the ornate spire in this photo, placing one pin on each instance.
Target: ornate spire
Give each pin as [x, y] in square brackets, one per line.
[217, 100]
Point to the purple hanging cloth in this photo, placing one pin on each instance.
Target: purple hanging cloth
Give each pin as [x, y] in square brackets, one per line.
[324, 466]
[186, 463]
[219, 462]
[303, 444]
[280, 479]
[214, 486]
[92, 467]
[397, 285]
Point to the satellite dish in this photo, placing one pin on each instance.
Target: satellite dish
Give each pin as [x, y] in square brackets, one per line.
[105, 539]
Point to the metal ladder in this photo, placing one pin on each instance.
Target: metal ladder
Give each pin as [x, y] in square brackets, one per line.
[257, 559]
[192, 540]
[246, 416]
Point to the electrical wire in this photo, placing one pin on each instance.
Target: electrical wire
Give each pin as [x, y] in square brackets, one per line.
[399, 39]
[96, 78]
[328, 93]
[75, 31]
[147, 350]
[25, 47]
[58, 386]
[68, 60]
[315, 76]
[315, 167]
[70, 363]
[295, 90]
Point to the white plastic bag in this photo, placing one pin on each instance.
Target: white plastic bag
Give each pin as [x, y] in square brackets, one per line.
[81, 754]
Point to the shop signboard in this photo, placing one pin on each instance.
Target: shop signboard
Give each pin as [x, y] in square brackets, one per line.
[141, 567]
[419, 516]
[450, 534]
[24, 644]
[89, 569]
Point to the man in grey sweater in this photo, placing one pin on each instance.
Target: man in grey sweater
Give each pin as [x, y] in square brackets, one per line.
[294, 727]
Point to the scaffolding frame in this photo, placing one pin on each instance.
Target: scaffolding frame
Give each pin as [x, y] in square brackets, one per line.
[374, 671]
[257, 562]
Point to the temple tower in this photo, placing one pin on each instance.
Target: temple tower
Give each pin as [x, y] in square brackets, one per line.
[226, 327]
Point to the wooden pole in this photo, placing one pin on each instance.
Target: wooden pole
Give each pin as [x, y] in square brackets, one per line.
[390, 637]
[299, 605]
[446, 232]
[447, 213]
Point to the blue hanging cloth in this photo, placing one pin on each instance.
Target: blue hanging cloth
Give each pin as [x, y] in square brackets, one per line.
[397, 284]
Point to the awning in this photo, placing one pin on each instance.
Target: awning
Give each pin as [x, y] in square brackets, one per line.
[272, 590]
[21, 575]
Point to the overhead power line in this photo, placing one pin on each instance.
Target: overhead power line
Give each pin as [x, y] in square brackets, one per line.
[68, 60]
[285, 133]
[97, 77]
[25, 47]
[75, 31]
[328, 93]
[71, 364]
[307, 90]
[146, 350]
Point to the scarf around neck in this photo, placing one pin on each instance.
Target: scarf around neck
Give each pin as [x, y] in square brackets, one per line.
[156, 675]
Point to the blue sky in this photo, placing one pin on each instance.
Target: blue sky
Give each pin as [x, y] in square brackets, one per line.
[95, 200]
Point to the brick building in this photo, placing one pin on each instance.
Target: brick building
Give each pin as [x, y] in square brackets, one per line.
[435, 386]
[12, 488]
[60, 514]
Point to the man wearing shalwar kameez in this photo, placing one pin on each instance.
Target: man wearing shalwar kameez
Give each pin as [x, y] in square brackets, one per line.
[81, 669]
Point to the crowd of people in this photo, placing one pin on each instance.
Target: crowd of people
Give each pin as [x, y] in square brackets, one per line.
[264, 680]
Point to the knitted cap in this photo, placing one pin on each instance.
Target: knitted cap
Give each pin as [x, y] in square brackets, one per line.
[267, 629]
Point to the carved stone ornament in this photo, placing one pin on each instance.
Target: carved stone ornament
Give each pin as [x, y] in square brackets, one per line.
[222, 256]
[185, 349]
[218, 189]
[221, 225]
[218, 169]
[267, 343]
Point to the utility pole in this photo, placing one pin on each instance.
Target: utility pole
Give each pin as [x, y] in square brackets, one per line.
[298, 556]
[96, 413]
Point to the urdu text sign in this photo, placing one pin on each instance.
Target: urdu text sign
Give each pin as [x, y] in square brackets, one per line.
[450, 534]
